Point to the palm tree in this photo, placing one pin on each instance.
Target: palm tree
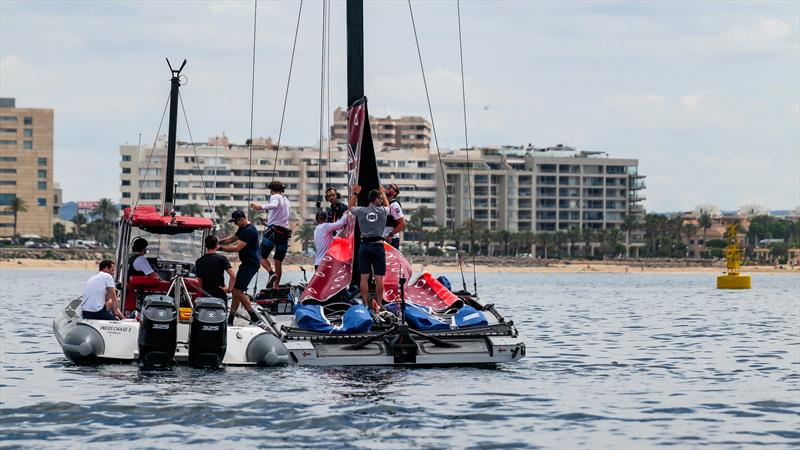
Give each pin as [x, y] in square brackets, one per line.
[17, 206]
[653, 229]
[59, 232]
[705, 223]
[690, 230]
[573, 236]
[105, 210]
[630, 223]
[587, 234]
[191, 210]
[306, 235]
[544, 239]
[222, 210]
[80, 221]
[504, 236]
[420, 217]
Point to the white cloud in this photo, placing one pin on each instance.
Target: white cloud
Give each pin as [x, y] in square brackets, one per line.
[663, 82]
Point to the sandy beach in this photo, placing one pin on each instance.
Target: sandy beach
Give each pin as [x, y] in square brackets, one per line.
[560, 267]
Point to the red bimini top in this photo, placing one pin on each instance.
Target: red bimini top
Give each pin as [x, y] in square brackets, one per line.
[149, 219]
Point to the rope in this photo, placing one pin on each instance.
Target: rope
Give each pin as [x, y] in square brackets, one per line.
[438, 152]
[252, 102]
[466, 146]
[197, 161]
[286, 93]
[149, 158]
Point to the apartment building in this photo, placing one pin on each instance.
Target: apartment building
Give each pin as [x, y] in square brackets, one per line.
[26, 169]
[518, 189]
[539, 189]
[221, 173]
[407, 132]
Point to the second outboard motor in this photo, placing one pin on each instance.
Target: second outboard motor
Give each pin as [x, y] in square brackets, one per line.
[208, 333]
[158, 332]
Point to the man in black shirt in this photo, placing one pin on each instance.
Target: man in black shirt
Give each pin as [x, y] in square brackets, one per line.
[337, 208]
[211, 268]
[244, 241]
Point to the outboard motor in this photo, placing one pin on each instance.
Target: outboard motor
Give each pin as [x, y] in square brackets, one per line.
[158, 332]
[208, 333]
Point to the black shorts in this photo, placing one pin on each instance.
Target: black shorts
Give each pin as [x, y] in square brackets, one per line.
[371, 255]
[103, 314]
[267, 245]
[244, 275]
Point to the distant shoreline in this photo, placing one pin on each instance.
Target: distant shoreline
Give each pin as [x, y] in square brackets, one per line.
[576, 266]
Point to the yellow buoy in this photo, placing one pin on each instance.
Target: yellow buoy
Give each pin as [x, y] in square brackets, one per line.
[732, 278]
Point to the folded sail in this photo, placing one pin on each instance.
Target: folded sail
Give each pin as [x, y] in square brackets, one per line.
[428, 291]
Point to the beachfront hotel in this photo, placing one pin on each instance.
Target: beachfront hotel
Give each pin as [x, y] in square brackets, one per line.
[26, 169]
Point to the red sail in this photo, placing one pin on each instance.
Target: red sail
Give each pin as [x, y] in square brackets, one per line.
[395, 264]
[428, 291]
[336, 269]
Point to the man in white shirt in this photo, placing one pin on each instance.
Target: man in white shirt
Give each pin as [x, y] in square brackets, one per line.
[395, 222]
[137, 263]
[100, 300]
[277, 234]
[324, 233]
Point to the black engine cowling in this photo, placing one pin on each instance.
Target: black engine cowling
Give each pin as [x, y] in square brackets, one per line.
[158, 332]
[208, 333]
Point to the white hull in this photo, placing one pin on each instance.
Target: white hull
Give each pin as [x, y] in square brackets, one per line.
[105, 341]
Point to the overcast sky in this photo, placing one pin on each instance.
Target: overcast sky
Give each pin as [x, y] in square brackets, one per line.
[705, 94]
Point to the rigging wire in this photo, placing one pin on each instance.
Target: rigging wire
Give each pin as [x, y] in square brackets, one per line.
[466, 147]
[197, 161]
[252, 102]
[149, 158]
[286, 92]
[322, 102]
[438, 152]
[328, 83]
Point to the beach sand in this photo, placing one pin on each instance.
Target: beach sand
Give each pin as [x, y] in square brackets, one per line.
[572, 267]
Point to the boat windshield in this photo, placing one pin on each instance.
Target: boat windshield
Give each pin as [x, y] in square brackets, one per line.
[181, 248]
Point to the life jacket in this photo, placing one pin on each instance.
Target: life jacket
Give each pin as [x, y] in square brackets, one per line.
[390, 220]
[131, 270]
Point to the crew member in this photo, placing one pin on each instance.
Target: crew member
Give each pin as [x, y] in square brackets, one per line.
[371, 255]
[324, 233]
[244, 241]
[211, 268]
[137, 262]
[395, 222]
[277, 234]
[337, 209]
[100, 300]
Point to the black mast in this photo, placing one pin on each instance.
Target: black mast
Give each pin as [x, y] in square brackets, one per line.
[169, 189]
[355, 51]
[368, 177]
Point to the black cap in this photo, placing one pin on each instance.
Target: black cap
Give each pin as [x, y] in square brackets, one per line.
[236, 215]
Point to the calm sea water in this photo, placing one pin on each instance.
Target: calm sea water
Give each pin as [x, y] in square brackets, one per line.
[614, 361]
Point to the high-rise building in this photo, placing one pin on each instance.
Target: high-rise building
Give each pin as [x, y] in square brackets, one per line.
[26, 169]
[532, 189]
[407, 132]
